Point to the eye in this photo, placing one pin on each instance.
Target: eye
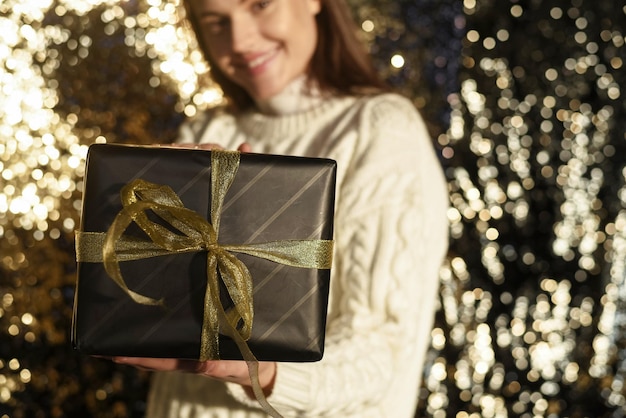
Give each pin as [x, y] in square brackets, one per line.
[261, 5]
[215, 24]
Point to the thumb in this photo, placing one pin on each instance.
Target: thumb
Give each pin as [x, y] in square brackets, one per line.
[245, 147]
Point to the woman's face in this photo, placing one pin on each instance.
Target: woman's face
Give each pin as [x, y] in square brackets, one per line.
[260, 45]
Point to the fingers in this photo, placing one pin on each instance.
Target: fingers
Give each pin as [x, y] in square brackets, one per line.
[152, 364]
[235, 371]
[199, 367]
[225, 370]
[245, 147]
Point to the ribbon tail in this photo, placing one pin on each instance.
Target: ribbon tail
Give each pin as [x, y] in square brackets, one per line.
[209, 338]
[238, 281]
[251, 362]
[253, 371]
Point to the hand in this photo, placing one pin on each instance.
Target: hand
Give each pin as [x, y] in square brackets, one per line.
[245, 147]
[224, 370]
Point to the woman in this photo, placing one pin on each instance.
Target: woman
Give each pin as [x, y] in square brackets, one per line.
[299, 82]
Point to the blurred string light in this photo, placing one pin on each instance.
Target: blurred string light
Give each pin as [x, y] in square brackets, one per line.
[534, 126]
[43, 150]
[41, 156]
[34, 176]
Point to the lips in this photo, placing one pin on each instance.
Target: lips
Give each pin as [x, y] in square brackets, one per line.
[256, 64]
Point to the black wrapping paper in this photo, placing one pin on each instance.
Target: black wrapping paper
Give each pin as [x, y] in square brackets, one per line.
[272, 198]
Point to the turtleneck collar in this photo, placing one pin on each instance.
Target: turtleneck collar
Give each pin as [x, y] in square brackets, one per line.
[297, 97]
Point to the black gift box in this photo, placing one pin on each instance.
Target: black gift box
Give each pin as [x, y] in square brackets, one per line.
[272, 198]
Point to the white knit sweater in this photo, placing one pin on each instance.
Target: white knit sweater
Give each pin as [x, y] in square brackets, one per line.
[391, 234]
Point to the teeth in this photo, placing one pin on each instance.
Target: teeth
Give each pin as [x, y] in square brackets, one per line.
[258, 61]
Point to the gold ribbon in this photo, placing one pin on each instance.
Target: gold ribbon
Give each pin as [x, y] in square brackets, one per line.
[190, 232]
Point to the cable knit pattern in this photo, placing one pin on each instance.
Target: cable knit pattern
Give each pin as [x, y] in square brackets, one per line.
[391, 236]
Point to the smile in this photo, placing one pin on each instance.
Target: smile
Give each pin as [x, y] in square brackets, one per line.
[257, 63]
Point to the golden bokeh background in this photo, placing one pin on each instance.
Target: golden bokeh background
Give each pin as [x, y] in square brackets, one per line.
[524, 101]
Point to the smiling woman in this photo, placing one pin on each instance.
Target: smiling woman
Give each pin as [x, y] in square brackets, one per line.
[299, 82]
[260, 46]
[338, 62]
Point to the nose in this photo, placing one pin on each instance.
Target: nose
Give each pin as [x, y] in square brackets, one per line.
[243, 30]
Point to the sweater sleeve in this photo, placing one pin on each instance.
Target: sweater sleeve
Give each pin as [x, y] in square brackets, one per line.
[391, 237]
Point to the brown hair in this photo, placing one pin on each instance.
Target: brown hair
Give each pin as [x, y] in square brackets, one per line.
[340, 64]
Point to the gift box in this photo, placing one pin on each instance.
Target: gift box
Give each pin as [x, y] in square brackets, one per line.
[185, 253]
